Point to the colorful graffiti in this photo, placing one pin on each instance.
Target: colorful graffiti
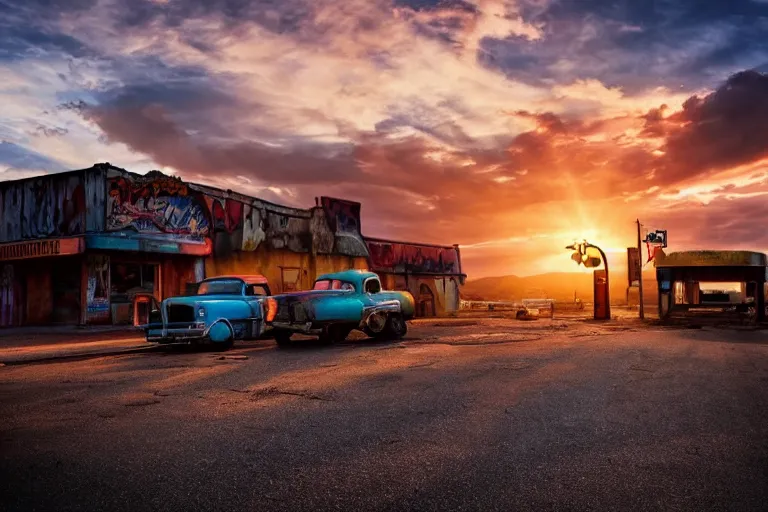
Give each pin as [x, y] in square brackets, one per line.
[155, 203]
[343, 218]
[49, 206]
[98, 288]
[419, 259]
[227, 217]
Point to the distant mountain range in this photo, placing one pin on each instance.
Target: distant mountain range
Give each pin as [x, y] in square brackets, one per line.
[560, 286]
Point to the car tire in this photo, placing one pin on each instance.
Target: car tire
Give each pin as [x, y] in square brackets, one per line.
[394, 329]
[283, 338]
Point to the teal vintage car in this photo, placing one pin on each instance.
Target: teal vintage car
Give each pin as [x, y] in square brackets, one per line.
[339, 303]
[223, 309]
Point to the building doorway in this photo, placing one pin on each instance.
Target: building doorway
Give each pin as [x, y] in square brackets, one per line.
[65, 284]
[127, 279]
[426, 302]
[11, 295]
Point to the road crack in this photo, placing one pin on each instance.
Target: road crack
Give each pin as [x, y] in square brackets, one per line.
[274, 390]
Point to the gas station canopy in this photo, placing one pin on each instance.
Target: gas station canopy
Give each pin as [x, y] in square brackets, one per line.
[713, 259]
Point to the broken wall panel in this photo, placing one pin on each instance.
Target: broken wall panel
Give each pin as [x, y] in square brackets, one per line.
[343, 219]
[95, 198]
[412, 258]
[43, 207]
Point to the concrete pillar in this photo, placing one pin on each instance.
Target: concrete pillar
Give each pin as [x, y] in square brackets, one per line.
[691, 291]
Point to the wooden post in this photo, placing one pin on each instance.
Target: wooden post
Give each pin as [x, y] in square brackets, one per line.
[84, 289]
[640, 280]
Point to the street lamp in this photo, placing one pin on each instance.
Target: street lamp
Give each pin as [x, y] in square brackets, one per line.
[581, 257]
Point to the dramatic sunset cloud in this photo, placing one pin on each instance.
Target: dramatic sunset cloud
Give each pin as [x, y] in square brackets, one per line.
[509, 127]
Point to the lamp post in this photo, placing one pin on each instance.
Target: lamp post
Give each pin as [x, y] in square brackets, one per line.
[581, 249]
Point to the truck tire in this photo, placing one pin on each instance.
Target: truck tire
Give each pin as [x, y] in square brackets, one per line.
[283, 338]
[334, 334]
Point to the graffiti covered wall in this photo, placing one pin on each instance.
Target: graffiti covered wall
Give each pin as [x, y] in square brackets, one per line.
[227, 219]
[278, 229]
[41, 207]
[412, 258]
[155, 203]
[343, 219]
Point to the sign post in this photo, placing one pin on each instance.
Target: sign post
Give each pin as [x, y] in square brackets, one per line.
[640, 266]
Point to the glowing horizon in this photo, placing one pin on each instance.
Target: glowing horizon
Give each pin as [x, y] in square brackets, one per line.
[510, 127]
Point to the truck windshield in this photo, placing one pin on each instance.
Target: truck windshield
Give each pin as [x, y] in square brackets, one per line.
[333, 284]
[221, 287]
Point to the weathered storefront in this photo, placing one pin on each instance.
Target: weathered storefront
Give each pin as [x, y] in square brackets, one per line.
[94, 239]
[40, 281]
[431, 273]
[79, 247]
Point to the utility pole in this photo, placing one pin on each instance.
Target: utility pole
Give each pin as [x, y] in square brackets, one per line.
[640, 264]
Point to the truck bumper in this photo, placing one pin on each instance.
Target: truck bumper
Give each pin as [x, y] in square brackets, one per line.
[218, 331]
[176, 335]
[299, 328]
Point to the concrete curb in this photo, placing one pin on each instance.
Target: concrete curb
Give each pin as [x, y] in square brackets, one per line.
[80, 355]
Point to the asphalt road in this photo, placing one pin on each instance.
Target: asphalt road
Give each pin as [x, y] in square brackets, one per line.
[497, 416]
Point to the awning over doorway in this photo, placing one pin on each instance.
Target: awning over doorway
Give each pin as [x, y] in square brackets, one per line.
[149, 243]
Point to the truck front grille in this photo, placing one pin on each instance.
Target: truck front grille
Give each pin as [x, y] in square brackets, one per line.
[283, 313]
[178, 313]
[299, 315]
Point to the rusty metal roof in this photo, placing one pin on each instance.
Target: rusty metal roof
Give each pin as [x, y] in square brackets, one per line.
[713, 259]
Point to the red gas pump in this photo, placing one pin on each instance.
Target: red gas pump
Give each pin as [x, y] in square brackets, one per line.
[602, 306]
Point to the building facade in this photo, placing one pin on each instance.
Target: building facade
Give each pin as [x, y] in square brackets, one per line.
[77, 247]
[431, 273]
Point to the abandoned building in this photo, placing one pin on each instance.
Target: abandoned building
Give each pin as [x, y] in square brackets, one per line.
[712, 285]
[76, 247]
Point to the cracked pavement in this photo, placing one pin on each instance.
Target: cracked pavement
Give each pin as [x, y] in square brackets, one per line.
[498, 415]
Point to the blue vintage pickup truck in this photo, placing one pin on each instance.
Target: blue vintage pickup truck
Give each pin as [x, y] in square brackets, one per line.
[224, 309]
[339, 303]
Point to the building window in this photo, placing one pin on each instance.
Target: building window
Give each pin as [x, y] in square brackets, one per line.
[127, 279]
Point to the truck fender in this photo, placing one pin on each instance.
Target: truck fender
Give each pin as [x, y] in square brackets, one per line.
[220, 330]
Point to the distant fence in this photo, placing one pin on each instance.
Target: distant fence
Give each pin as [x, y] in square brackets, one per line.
[546, 307]
[488, 305]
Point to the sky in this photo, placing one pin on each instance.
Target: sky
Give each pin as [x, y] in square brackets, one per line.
[509, 127]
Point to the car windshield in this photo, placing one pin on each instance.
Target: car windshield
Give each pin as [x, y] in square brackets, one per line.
[333, 284]
[221, 287]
